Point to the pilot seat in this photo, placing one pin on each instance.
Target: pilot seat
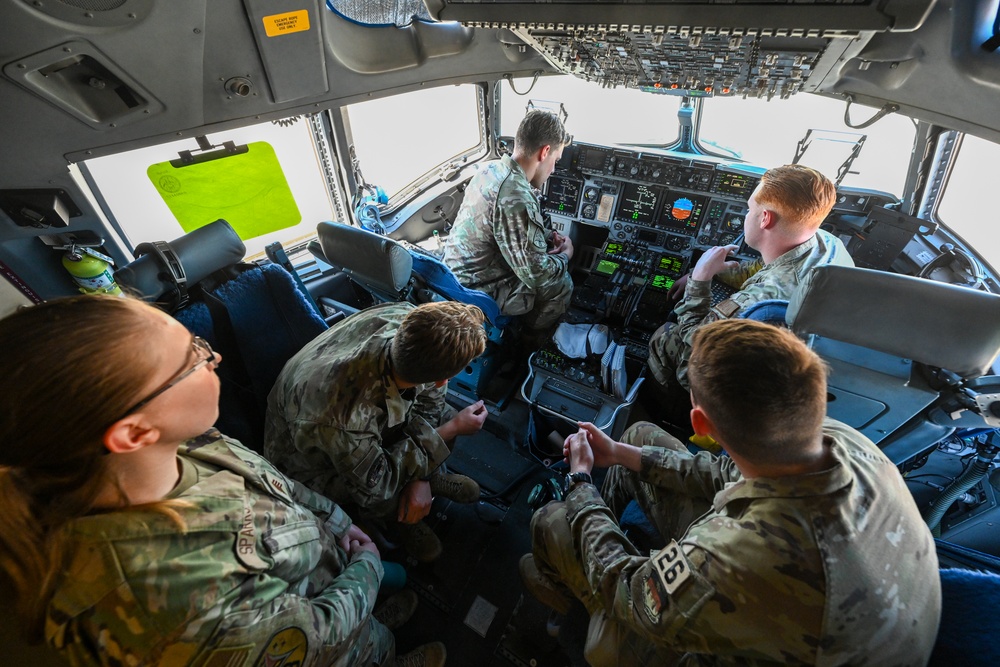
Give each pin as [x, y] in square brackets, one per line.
[392, 271]
[256, 315]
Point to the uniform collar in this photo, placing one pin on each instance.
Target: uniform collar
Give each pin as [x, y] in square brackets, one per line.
[822, 483]
[397, 402]
[795, 253]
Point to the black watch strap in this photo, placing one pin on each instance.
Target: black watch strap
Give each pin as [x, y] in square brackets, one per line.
[575, 478]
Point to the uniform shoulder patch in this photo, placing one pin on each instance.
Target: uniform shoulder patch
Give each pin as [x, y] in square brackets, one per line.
[376, 471]
[286, 648]
[671, 567]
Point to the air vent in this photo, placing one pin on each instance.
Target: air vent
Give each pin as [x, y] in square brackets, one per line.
[82, 81]
[97, 13]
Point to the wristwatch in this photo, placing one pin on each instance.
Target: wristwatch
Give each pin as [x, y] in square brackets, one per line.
[575, 478]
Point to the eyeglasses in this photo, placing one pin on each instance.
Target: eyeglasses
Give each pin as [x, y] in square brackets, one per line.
[205, 356]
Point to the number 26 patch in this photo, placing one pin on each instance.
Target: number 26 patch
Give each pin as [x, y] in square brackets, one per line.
[671, 567]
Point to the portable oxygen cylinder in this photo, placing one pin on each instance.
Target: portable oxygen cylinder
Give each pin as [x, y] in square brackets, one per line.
[91, 271]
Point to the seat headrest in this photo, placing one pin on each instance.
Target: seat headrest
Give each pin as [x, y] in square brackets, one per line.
[941, 325]
[375, 261]
[199, 254]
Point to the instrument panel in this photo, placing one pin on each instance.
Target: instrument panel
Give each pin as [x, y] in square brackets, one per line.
[677, 203]
[658, 211]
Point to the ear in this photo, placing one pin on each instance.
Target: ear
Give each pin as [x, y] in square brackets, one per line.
[768, 219]
[700, 422]
[440, 383]
[543, 152]
[130, 434]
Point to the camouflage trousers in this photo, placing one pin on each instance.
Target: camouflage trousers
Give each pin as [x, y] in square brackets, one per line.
[381, 649]
[669, 511]
[541, 308]
[665, 349]
[609, 643]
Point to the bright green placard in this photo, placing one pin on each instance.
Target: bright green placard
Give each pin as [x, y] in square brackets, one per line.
[248, 190]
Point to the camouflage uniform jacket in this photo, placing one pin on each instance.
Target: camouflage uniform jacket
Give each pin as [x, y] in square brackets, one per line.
[338, 423]
[829, 568]
[669, 354]
[256, 573]
[498, 242]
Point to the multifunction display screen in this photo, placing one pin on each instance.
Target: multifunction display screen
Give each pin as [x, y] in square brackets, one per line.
[661, 282]
[637, 204]
[681, 212]
[563, 195]
[671, 265]
[738, 185]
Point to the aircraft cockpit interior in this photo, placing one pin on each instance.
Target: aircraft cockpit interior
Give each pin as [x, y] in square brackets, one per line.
[266, 170]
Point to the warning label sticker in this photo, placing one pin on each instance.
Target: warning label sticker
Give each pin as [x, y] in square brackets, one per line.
[284, 24]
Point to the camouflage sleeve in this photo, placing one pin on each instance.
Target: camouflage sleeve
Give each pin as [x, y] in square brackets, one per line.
[375, 471]
[693, 311]
[739, 274]
[329, 623]
[336, 519]
[700, 475]
[521, 240]
[430, 404]
[618, 575]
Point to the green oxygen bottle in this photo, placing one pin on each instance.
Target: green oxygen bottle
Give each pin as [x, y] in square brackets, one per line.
[91, 271]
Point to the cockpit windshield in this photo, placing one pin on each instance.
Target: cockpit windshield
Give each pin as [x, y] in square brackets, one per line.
[764, 133]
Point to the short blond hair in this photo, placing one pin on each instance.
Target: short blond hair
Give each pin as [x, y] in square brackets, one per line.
[761, 387]
[801, 196]
[435, 341]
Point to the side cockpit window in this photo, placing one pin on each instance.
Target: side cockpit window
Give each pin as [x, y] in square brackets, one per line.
[404, 141]
[266, 180]
[963, 205]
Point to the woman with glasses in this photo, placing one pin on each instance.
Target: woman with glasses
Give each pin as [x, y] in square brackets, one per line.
[134, 533]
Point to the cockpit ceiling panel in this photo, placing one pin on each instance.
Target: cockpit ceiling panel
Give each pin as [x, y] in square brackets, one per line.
[685, 62]
[873, 15]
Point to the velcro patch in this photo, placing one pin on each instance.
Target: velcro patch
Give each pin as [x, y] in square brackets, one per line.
[286, 648]
[376, 471]
[727, 308]
[671, 567]
[652, 600]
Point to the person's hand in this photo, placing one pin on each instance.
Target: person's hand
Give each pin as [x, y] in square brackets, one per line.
[356, 541]
[353, 534]
[470, 419]
[602, 447]
[562, 244]
[714, 262]
[676, 291]
[578, 452]
[355, 547]
[414, 501]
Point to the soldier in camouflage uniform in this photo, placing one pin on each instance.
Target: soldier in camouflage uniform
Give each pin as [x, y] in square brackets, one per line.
[359, 413]
[785, 212]
[500, 244]
[810, 549]
[129, 539]
[259, 573]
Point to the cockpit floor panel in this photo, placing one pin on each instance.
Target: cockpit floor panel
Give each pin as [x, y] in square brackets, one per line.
[471, 598]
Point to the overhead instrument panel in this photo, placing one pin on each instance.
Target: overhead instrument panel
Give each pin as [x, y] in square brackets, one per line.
[562, 195]
[751, 48]
[792, 16]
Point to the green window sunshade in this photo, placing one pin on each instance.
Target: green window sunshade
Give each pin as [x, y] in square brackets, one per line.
[248, 190]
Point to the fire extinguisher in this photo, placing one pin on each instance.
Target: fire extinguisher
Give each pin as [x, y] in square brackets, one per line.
[91, 270]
